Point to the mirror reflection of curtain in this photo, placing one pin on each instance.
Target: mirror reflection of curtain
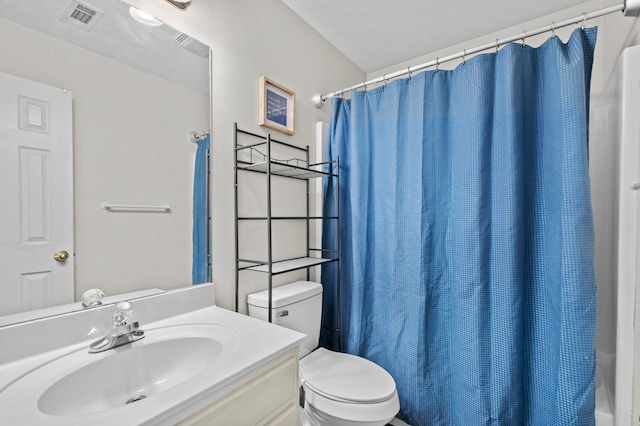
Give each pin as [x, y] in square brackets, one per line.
[201, 270]
[467, 239]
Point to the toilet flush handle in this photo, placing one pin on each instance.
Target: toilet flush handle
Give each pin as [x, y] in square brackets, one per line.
[302, 400]
[284, 313]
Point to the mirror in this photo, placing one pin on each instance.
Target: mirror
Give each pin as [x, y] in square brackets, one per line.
[137, 93]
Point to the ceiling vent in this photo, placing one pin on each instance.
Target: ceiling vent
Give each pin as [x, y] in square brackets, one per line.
[81, 15]
[192, 45]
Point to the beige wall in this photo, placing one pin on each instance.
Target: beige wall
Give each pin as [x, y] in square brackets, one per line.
[249, 39]
[130, 146]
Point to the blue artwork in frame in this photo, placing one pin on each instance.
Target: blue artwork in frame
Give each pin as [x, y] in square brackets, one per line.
[276, 106]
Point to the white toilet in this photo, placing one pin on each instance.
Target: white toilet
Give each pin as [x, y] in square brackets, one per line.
[339, 389]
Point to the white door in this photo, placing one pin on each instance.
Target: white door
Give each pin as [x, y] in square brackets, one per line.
[36, 195]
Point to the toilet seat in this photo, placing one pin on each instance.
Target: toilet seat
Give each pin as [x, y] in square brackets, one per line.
[348, 387]
[346, 378]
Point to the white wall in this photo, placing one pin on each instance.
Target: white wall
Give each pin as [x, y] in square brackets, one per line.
[249, 39]
[130, 146]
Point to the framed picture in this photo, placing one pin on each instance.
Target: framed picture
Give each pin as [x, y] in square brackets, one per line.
[276, 106]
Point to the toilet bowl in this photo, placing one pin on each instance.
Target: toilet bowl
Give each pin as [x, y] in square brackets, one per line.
[339, 389]
[343, 389]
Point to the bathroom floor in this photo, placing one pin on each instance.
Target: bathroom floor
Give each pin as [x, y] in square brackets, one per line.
[394, 422]
[397, 422]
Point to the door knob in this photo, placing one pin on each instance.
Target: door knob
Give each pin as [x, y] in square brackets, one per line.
[61, 256]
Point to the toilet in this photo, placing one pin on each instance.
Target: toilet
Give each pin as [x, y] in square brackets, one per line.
[339, 389]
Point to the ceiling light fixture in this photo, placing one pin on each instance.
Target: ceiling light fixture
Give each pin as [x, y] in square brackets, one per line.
[144, 17]
[180, 4]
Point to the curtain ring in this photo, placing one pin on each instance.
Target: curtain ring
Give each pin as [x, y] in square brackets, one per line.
[437, 63]
[384, 79]
[464, 56]
[553, 29]
[496, 46]
[584, 19]
[409, 72]
[524, 36]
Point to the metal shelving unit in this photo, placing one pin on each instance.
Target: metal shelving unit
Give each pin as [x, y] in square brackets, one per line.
[257, 161]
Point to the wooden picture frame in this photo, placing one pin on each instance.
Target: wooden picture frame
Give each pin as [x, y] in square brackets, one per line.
[277, 105]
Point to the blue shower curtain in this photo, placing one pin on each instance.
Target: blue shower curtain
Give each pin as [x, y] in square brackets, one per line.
[466, 236]
[200, 267]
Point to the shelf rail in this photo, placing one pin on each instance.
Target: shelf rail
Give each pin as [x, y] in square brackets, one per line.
[291, 168]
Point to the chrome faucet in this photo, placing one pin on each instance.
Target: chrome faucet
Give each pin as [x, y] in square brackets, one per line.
[123, 331]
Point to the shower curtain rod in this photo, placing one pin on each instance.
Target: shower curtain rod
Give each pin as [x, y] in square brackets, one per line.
[628, 7]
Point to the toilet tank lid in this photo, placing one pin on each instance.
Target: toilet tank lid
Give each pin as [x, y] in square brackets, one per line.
[285, 294]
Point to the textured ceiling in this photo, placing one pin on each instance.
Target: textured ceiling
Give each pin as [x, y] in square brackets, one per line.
[117, 36]
[376, 34]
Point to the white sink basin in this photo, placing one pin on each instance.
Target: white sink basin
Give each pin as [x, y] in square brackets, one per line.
[81, 383]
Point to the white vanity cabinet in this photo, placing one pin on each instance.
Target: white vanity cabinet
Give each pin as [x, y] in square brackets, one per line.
[270, 396]
[236, 370]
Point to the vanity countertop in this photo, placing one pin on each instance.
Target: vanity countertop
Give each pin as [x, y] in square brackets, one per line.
[257, 343]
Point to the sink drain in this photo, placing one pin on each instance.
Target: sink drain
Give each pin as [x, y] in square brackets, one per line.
[135, 398]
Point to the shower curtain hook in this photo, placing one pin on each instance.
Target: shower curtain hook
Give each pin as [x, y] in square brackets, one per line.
[409, 72]
[384, 79]
[524, 36]
[464, 56]
[438, 64]
[497, 46]
[553, 29]
[584, 19]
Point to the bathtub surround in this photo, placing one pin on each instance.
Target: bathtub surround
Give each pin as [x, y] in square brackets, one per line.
[613, 150]
[467, 236]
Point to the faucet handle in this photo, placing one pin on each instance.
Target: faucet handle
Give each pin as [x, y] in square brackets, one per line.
[122, 313]
[91, 298]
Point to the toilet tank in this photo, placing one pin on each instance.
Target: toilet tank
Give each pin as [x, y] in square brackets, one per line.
[297, 306]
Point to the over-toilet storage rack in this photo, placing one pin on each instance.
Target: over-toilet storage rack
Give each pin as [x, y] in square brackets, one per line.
[256, 161]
